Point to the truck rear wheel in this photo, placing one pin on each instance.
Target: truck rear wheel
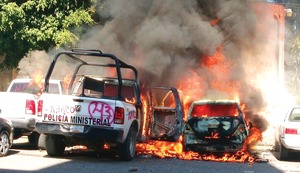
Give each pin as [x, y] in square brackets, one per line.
[55, 145]
[128, 148]
[42, 142]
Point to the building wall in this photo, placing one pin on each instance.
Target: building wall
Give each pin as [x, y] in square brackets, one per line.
[6, 77]
[271, 23]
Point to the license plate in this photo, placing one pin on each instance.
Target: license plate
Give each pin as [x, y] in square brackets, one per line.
[76, 128]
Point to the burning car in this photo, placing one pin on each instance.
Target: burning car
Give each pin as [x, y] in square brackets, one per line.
[215, 126]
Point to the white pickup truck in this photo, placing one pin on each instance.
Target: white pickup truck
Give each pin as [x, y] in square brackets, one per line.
[103, 107]
[18, 104]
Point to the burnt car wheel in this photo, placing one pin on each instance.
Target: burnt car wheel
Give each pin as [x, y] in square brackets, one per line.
[128, 148]
[55, 145]
[4, 143]
[184, 146]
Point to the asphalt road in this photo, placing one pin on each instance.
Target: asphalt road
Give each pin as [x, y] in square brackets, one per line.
[24, 158]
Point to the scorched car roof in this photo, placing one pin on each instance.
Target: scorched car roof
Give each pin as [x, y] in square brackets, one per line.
[215, 102]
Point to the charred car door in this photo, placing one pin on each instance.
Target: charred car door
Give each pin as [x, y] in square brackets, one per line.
[166, 114]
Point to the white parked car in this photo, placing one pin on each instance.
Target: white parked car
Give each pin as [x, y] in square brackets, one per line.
[287, 135]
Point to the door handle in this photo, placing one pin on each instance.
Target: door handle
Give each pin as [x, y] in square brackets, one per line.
[77, 100]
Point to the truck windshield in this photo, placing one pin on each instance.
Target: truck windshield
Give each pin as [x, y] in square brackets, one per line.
[25, 87]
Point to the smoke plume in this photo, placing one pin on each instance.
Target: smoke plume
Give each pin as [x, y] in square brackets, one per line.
[172, 41]
[169, 40]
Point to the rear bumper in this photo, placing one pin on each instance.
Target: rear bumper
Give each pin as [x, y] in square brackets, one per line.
[214, 146]
[28, 124]
[107, 134]
[292, 143]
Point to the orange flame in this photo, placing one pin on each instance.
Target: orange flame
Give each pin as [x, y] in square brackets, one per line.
[130, 101]
[37, 79]
[193, 88]
[215, 21]
[162, 149]
[213, 136]
[190, 88]
[145, 113]
[165, 149]
[66, 82]
[219, 66]
[254, 136]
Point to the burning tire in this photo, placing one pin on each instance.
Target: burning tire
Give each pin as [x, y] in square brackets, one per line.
[128, 148]
[4, 143]
[55, 145]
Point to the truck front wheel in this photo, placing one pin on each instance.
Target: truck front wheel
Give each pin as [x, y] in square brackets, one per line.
[55, 145]
[33, 138]
[128, 148]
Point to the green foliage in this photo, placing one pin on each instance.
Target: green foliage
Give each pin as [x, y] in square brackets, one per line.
[40, 25]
